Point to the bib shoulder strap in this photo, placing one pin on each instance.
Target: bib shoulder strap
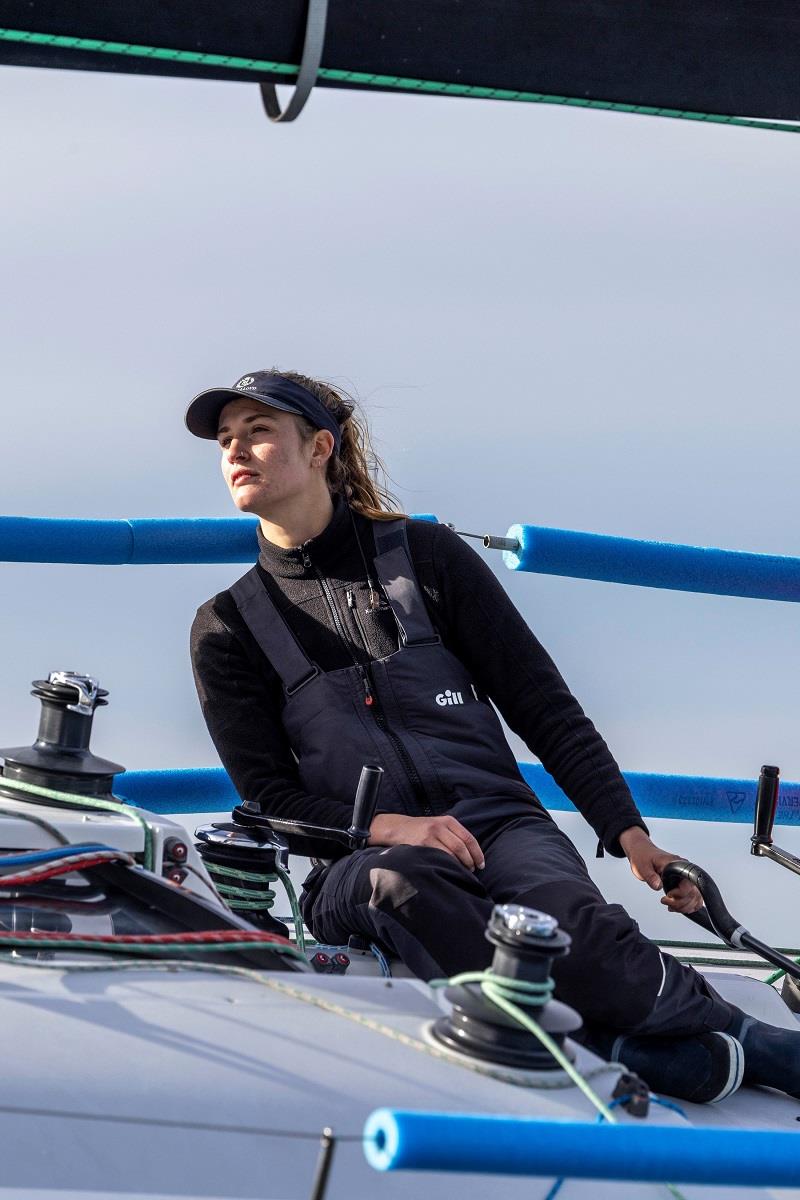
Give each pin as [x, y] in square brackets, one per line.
[396, 573]
[270, 630]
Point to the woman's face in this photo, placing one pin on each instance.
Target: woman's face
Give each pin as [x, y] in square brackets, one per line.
[265, 462]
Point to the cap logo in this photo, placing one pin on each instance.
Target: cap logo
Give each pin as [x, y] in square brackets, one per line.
[245, 381]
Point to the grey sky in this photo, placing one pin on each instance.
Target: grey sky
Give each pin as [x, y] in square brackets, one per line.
[552, 316]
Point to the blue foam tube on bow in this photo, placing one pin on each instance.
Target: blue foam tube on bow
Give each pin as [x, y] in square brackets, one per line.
[139, 541]
[206, 789]
[500, 1145]
[684, 797]
[653, 564]
[157, 540]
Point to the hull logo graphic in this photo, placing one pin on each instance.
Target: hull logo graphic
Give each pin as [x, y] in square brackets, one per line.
[449, 697]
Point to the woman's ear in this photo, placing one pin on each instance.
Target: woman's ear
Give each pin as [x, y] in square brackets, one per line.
[323, 447]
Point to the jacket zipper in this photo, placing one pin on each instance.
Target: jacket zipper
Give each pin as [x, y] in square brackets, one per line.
[351, 604]
[369, 695]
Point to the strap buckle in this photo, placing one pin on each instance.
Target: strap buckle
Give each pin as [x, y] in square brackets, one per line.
[313, 673]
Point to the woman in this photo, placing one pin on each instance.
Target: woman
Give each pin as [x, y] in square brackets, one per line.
[362, 635]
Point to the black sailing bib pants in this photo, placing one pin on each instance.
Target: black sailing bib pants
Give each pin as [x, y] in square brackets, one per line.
[419, 715]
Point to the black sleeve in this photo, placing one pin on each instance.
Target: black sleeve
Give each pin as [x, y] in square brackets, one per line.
[492, 639]
[242, 708]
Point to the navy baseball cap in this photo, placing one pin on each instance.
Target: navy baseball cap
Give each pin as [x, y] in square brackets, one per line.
[202, 415]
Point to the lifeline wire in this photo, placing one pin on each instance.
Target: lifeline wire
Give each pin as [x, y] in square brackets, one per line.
[776, 975]
[75, 801]
[366, 79]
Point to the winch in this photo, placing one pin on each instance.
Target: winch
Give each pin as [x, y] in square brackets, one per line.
[526, 942]
[60, 757]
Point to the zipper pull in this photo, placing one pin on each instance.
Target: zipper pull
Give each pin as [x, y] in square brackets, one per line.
[306, 559]
[351, 600]
[369, 699]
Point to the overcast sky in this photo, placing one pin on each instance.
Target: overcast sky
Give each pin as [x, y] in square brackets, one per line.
[569, 318]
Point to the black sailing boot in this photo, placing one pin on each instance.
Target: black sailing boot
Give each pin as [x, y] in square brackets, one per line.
[702, 1068]
[771, 1054]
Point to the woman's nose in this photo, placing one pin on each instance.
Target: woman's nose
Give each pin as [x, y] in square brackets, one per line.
[235, 450]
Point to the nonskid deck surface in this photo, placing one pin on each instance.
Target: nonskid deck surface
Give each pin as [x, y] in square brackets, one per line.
[209, 1078]
[201, 1084]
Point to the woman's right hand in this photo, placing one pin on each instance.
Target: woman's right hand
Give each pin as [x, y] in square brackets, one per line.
[442, 833]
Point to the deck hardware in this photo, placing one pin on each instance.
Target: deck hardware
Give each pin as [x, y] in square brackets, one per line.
[327, 1145]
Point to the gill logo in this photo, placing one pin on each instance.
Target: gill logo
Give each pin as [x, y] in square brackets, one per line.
[449, 697]
[245, 381]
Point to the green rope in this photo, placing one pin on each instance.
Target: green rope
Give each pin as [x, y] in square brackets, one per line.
[503, 993]
[776, 975]
[258, 896]
[74, 801]
[664, 944]
[366, 79]
[297, 916]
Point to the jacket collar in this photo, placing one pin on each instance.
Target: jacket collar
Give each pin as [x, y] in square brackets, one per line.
[322, 551]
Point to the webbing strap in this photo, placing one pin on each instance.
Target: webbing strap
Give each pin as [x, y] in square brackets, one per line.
[270, 630]
[309, 67]
[396, 573]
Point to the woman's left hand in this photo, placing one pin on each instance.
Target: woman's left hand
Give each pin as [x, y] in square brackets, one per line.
[648, 862]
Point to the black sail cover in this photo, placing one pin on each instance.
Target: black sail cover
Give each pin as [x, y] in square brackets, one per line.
[725, 57]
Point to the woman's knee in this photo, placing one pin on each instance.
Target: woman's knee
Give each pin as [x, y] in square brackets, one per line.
[402, 873]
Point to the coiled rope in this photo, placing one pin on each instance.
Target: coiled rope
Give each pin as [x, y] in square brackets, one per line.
[505, 994]
[367, 79]
[256, 895]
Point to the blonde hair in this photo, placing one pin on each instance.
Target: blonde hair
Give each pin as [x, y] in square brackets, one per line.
[355, 471]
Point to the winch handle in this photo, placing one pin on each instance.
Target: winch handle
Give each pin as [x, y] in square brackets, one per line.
[715, 918]
[366, 802]
[766, 807]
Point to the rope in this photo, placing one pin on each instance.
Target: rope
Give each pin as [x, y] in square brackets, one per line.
[382, 961]
[366, 79]
[235, 896]
[518, 1078]
[73, 801]
[256, 896]
[55, 833]
[503, 993]
[75, 862]
[664, 945]
[297, 916]
[212, 940]
[776, 975]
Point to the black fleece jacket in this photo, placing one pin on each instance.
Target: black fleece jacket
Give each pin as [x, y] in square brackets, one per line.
[242, 697]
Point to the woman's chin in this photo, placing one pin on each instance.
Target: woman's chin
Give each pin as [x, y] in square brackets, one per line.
[245, 503]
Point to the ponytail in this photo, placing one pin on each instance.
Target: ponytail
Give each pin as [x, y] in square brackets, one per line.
[355, 471]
